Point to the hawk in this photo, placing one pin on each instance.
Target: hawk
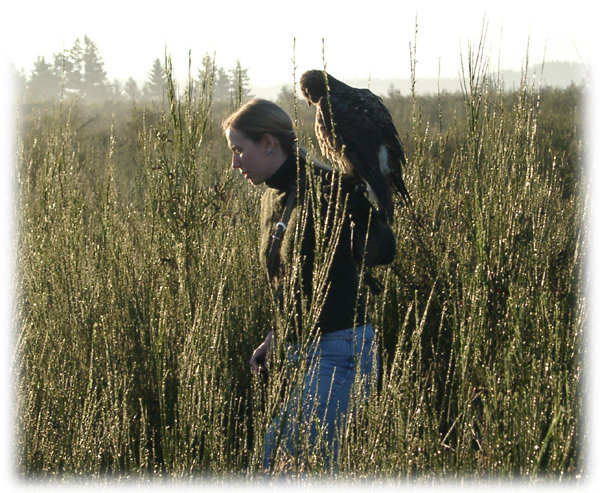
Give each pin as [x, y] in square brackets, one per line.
[356, 133]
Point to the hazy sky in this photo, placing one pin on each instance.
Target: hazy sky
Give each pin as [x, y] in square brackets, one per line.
[362, 38]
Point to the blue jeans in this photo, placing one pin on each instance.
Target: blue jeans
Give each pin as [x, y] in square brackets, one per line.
[319, 402]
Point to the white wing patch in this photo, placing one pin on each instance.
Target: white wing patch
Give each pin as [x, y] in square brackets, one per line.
[371, 193]
[382, 155]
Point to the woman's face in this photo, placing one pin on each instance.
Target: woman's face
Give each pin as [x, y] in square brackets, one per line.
[250, 157]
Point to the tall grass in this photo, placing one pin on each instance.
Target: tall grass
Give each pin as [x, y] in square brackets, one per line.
[491, 364]
[140, 301]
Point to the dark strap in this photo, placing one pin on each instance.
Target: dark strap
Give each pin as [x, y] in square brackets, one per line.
[280, 228]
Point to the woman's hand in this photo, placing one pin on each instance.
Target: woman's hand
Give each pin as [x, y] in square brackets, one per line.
[259, 359]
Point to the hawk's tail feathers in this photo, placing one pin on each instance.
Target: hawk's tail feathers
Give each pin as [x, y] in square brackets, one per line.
[388, 203]
[401, 189]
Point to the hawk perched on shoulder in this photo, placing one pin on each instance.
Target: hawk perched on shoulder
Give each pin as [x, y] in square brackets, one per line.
[356, 132]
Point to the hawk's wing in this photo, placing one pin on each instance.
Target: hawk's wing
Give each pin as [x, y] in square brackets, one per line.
[396, 157]
[362, 126]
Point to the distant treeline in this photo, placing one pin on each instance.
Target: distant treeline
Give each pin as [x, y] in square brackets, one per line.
[78, 72]
[549, 74]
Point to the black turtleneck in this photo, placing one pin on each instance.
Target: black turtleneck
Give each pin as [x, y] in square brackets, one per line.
[282, 178]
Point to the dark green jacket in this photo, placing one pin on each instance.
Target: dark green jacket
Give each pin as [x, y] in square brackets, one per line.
[340, 307]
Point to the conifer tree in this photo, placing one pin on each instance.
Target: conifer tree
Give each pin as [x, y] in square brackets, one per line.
[131, 89]
[115, 89]
[62, 68]
[156, 81]
[43, 83]
[207, 74]
[240, 85]
[222, 84]
[18, 80]
[74, 69]
[95, 82]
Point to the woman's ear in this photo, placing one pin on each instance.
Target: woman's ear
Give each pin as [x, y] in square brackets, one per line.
[269, 143]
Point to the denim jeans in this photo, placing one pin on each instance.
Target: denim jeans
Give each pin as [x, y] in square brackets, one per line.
[319, 406]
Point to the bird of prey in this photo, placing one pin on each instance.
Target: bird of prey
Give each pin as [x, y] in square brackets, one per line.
[356, 133]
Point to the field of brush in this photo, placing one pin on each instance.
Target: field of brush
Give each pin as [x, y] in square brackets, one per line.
[140, 297]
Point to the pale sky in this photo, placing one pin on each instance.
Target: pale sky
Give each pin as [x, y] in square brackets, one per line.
[362, 39]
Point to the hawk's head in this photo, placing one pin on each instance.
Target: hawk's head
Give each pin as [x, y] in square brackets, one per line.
[313, 86]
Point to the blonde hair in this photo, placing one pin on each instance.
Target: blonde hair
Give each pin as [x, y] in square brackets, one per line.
[259, 117]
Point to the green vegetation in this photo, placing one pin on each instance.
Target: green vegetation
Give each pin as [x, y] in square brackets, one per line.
[140, 297]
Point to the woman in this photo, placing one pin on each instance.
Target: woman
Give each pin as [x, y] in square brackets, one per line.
[317, 232]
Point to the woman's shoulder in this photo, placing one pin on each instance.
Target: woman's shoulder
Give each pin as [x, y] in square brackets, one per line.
[271, 197]
[272, 204]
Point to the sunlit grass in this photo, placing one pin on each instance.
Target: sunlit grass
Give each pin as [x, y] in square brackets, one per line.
[140, 300]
